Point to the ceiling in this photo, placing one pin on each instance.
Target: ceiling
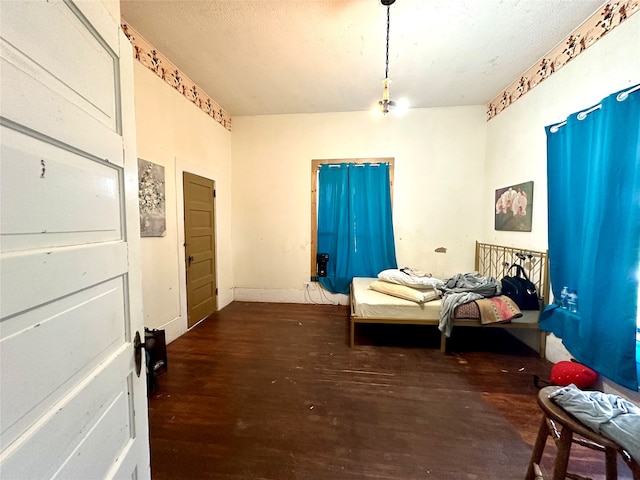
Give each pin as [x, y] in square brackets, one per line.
[262, 57]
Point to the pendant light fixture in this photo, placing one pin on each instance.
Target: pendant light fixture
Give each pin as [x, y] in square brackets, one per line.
[386, 105]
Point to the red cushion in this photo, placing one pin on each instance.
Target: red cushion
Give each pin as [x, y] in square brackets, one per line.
[566, 372]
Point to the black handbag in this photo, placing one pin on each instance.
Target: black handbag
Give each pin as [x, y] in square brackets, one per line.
[520, 289]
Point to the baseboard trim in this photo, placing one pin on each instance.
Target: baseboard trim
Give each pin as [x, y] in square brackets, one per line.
[313, 295]
[174, 328]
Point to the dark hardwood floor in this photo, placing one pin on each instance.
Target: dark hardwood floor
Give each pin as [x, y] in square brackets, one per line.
[272, 391]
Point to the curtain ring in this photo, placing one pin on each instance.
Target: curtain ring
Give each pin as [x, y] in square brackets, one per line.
[582, 115]
[622, 96]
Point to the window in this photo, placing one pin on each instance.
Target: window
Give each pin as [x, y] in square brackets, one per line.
[593, 248]
[357, 220]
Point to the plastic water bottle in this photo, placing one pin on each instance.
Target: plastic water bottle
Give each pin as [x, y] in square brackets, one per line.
[564, 293]
[572, 301]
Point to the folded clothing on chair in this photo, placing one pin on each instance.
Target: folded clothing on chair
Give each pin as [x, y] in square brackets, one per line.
[610, 415]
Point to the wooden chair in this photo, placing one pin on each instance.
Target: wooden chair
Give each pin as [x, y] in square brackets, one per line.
[565, 429]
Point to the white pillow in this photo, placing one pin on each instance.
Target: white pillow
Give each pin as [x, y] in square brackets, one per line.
[404, 292]
[395, 275]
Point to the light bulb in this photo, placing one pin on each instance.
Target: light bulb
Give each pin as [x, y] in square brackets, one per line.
[402, 106]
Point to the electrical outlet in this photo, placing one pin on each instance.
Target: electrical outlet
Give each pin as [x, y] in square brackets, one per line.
[305, 284]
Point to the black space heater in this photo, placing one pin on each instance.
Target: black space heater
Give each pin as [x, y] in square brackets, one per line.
[321, 264]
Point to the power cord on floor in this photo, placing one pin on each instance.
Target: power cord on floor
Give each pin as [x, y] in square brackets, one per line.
[324, 299]
[307, 295]
[323, 293]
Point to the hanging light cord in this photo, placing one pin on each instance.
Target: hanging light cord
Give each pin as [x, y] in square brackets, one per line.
[385, 105]
[386, 68]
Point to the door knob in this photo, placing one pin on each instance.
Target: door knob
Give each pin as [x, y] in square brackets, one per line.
[138, 346]
[190, 259]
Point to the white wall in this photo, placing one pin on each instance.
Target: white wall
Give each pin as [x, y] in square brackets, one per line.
[113, 7]
[448, 163]
[174, 133]
[516, 140]
[439, 169]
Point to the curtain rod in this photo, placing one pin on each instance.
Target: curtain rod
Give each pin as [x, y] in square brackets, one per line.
[621, 97]
[338, 165]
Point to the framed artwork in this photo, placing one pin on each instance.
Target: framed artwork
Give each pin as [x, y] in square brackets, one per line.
[514, 207]
[153, 222]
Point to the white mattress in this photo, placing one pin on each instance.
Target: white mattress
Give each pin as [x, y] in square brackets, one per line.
[368, 303]
[371, 304]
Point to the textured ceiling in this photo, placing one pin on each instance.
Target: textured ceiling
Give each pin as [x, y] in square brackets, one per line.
[258, 57]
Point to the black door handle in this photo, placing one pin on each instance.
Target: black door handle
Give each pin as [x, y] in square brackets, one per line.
[137, 352]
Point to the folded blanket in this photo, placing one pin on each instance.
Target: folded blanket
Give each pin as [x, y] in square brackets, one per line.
[489, 310]
[497, 309]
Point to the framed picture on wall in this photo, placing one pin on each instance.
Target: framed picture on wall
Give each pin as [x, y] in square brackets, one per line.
[151, 199]
[514, 207]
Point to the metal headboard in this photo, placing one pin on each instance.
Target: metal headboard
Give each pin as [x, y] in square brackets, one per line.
[495, 260]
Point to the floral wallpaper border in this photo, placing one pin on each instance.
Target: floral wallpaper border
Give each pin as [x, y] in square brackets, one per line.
[597, 26]
[167, 71]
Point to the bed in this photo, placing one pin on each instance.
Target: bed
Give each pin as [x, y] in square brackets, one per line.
[369, 306]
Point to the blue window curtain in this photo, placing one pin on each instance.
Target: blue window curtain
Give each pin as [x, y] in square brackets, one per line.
[593, 173]
[355, 225]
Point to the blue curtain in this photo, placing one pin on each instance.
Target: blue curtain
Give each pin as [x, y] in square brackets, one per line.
[593, 173]
[355, 224]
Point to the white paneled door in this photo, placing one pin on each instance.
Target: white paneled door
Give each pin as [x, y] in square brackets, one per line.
[72, 405]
